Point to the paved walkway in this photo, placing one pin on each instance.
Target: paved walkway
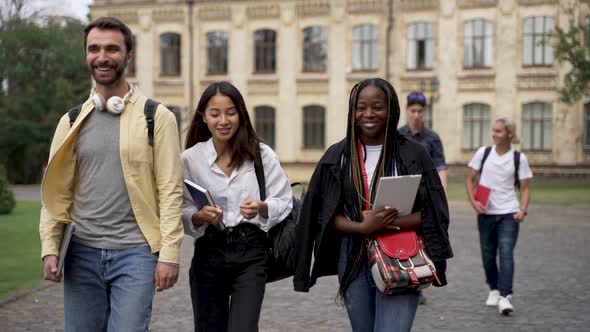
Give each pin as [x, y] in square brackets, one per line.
[551, 287]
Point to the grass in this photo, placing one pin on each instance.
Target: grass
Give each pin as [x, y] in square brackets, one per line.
[542, 191]
[20, 247]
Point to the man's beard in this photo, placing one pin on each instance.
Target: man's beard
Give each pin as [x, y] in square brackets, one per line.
[119, 70]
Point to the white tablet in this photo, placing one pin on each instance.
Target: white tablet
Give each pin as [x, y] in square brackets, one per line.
[398, 192]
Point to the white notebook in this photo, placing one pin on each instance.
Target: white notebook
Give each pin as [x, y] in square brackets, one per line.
[397, 192]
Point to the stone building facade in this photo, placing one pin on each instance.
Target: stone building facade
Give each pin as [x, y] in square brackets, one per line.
[295, 62]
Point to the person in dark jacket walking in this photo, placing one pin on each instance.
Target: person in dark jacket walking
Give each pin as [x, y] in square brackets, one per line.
[334, 226]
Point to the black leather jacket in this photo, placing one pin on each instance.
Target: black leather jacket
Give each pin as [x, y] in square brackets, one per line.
[324, 197]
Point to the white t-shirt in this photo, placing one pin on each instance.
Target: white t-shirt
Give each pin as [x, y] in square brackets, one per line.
[373, 153]
[498, 175]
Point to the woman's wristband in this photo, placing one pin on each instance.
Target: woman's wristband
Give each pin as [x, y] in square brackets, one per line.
[523, 211]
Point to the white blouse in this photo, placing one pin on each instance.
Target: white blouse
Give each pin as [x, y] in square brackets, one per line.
[198, 165]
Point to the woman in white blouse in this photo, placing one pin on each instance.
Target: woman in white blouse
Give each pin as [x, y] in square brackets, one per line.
[229, 266]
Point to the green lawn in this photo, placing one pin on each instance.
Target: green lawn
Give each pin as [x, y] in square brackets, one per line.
[542, 191]
[20, 259]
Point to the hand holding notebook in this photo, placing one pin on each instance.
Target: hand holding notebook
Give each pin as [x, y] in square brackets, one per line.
[482, 195]
[202, 198]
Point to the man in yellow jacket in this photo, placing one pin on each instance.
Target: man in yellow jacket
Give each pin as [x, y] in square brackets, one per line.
[122, 191]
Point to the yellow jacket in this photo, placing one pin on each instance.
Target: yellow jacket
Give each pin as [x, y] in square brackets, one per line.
[152, 177]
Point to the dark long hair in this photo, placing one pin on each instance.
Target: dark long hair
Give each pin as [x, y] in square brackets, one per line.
[353, 188]
[244, 142]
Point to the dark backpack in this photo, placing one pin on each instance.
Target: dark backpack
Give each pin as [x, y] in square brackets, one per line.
[149, 110]
[486, 153]
[282, 237]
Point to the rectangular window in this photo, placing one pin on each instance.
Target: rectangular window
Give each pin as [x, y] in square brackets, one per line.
[313, 127]
[170, 54]
[476, 126]
[420, 53]
[264, 119]
[477, 44]
[365, 50]
[314, 49]
[537, 134]
[217, 52]
[264, 51]
[537, 48]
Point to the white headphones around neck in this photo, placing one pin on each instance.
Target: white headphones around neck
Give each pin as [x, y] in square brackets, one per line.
[115, 104]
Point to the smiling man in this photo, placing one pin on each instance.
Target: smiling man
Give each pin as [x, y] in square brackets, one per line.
[114, 172]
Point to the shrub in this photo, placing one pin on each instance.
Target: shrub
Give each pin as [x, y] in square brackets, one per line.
[7, 201]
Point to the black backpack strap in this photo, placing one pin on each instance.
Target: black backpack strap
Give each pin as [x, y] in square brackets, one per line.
[149, 110]
[259, 170]
[73, 114]
[486, 153]
[516, 167]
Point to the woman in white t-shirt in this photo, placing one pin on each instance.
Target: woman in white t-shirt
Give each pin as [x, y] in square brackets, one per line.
[499, 220]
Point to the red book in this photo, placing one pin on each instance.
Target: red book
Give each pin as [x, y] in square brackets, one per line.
[482, 194]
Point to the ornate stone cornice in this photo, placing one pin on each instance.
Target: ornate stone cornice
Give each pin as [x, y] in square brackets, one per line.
[312, 8]
[263, 11]
[419, 4]
[126, 16]
[465, 4]
[476, 83]
[215, 13]
[365, 6]
[536, 2]
[537, 81]
[168, 15]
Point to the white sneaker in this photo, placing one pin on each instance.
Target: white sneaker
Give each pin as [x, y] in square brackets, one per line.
[504, 305]
[493, 298]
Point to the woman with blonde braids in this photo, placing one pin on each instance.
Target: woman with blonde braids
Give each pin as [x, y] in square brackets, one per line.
[336, 220]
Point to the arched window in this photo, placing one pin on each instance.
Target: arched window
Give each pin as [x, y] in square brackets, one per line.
[170, 54]
[264, 51]
[314, 124]
[264, 121]
[365, 50]
[477, 43]
[314, 49]
[476, 126]
[216, 52]
[537, 49]
[537, 132]
[420, 46]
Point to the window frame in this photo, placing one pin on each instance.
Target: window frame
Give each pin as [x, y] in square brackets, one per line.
[420, 33]
[262, 124]
[314, 41]
[217, 55]
[265, 51]
[172, 51]
[545, 37]
[485, 39]
[545, 121]
[314, 127]
[365, 44]
[482, 121]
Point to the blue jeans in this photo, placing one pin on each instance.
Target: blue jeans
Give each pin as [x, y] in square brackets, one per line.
[108, 290]
[368, 309]
[498, 235]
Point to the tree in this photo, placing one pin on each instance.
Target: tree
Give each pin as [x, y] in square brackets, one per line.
[42, 75]
[574, 50]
